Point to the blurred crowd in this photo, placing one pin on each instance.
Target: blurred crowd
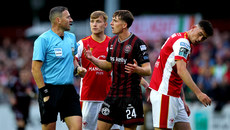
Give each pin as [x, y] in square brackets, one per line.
[15, 56]
[209, 66]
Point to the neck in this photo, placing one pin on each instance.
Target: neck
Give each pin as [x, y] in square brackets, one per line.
[124, 35]
[58, 31]
[98, 37]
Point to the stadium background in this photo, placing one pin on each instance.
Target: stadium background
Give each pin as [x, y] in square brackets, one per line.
[22, 21]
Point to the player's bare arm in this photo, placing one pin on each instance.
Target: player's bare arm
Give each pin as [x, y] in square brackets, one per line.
[102, 64]
[145, 84]
[186, 77]
[143, 70]
[185, 104]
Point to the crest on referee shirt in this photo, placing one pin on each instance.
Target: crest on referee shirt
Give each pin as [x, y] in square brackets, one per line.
[127, 48]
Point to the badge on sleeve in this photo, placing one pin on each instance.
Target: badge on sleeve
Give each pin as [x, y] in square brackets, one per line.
[143, 47]
[183, 52]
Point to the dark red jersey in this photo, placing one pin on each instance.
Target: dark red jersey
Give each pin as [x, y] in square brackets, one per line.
[119, 54]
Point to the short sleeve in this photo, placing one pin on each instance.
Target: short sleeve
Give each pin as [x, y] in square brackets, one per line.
[79, 49]
[109, 51]
[182, 49]
[39, 49]
[75, 44]
[141, 52]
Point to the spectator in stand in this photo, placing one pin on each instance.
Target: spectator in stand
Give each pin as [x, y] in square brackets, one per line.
[226, 81]
[218, 71]
[22, 92]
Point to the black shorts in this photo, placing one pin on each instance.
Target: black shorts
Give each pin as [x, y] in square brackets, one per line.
[21, 109]
[127, 111]
[63, 99]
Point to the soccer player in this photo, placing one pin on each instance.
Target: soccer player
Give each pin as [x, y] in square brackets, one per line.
[53, 71]
[168, 109]
[128, 59]
[96, 82]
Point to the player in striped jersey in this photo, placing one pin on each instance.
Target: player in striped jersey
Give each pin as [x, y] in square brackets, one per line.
[128, 58]
[169, 110]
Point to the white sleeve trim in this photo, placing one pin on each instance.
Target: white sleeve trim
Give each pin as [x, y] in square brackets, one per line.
[79, 50]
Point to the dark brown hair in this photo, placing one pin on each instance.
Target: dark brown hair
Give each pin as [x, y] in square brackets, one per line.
[206, 26]
[124, 15]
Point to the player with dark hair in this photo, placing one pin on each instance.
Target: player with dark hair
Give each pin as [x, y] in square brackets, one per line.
[169, 109]
[128, 58]
[53, 71]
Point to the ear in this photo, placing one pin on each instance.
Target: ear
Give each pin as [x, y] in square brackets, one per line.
[125, 25]
[58, 20]
[106, 24]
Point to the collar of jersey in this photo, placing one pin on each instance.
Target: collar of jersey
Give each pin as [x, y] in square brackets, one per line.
[125, 39]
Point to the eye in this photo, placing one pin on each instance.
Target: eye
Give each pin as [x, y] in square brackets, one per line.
[98, 21]
[203, 38]
[202, 35]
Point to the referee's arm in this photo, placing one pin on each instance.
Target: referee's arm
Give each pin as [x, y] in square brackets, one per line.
[37, 74]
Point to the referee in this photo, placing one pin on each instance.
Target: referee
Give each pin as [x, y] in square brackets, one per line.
[52, 69]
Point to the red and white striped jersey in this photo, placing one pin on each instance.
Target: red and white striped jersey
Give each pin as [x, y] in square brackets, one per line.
[96, 83]
[165, 79]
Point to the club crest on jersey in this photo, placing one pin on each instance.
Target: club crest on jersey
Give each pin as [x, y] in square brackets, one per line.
[105, 111]
[111, 47]
[91, 49]
[127, 48]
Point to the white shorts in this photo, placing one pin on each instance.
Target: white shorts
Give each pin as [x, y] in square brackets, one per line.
[90, 112]
[167, 110]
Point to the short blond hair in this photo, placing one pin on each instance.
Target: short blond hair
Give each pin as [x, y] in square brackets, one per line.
[97, 14]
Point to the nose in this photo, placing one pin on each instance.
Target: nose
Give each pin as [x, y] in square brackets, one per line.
[94, 23]
[111, 23]
[201, 38]
[71, 20]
